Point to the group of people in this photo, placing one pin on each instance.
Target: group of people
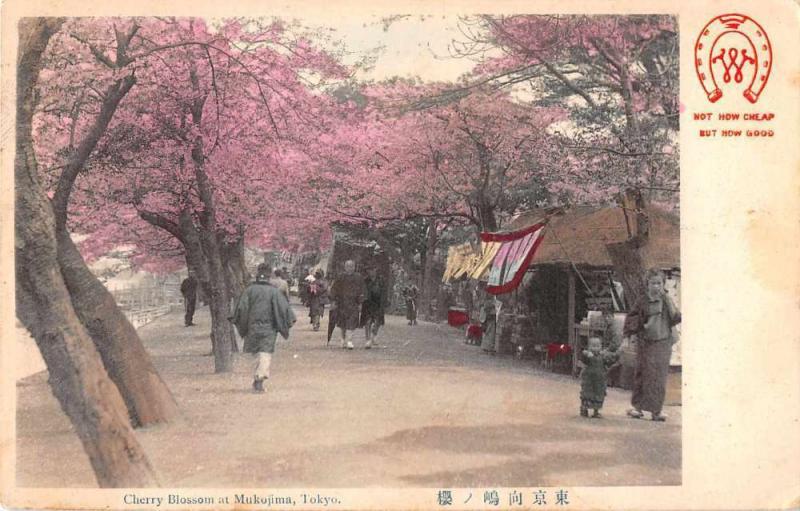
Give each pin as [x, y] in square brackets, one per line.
[263, 311]
[650, 323]
[356, 301]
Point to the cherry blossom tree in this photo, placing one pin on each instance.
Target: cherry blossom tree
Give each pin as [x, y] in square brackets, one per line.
[89, 67]
[77, 376]
[387, 164]
[617, 75]
[203, 144]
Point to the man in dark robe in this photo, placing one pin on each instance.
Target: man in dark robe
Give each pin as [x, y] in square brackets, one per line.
[372, 310]
[347, 293]
[410, 293]
[189, 292]
[261, 313]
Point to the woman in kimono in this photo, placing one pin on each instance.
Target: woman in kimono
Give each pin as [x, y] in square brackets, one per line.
[317, 292]
[651, 320]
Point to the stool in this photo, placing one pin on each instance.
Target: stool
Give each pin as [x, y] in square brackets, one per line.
[555, 352]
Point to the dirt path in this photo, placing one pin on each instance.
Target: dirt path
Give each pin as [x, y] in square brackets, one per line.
[424, 410]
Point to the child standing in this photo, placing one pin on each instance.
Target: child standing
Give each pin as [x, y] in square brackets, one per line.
[593, 379]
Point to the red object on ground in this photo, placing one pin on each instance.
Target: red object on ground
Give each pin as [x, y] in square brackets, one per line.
[457, 317]
[474, 332]
[554, 349]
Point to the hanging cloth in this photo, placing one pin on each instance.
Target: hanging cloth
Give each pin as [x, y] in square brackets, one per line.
[512, 257]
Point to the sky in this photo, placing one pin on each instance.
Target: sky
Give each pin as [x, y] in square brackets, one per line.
[412, 46]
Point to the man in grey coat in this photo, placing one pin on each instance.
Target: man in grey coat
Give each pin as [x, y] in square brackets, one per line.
[261, 313]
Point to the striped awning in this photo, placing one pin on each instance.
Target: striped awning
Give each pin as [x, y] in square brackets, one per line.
[513, 256]
[502, 257]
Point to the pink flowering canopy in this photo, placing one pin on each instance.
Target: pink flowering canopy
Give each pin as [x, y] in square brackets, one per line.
[256, 82]
[558, 109]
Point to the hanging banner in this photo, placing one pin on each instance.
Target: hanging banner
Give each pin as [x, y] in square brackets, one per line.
[512, 258]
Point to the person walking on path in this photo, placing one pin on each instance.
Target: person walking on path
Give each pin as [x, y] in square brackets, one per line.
[317, 298]
[651, 320]
[410, 293]
[262, 312]
[279, 282]
[189, 292]
[372, 310]
[347, 293]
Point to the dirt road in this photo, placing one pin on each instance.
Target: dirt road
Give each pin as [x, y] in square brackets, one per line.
[422, 410]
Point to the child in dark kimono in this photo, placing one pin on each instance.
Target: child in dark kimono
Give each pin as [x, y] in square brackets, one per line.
[593, 378]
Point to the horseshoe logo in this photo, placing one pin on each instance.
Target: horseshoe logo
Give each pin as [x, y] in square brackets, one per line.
[723, 63]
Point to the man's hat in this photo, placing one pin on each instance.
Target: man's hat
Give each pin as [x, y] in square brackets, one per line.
[263, 271]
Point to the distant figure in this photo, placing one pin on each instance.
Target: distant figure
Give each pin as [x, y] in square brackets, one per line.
[347, 293]
[410, 293]
[189, 292]
[373, 307]
[302, 286]
[488, 320]
[596, 362]
[261, 313]
[285, 275]
[317, 290]
[651, 320]
[278, 281]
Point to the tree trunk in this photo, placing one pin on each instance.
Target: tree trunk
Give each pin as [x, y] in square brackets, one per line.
[626, 255]
[221, 331]
[145, 394]
[77, 376]
[236, 275]
[193, 249]
[628, 266]
[198, 261]
[631, 122]
[235, 267]
[428, 286]
[147, 397]
[487, 217]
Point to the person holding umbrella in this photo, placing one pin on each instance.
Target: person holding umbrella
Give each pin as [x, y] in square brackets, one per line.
[347, 293]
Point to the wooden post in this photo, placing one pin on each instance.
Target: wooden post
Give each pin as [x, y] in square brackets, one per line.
[571, 318]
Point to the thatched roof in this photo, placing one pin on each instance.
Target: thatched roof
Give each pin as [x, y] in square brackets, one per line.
[583, 232]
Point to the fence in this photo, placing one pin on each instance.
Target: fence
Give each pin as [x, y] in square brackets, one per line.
[143, 304]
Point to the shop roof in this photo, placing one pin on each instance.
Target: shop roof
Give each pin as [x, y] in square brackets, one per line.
[580, 234]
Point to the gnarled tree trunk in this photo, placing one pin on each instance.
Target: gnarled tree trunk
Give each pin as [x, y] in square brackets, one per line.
[77, 376]
[236, 275]
[626, 255]
[147, 397]
[235, 267]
